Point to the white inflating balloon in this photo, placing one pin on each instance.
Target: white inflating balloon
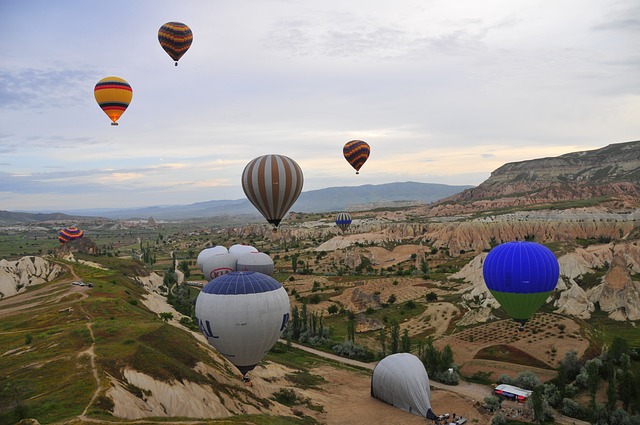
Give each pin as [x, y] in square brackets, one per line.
[242, 315]
[239, 249]
[218, 265]
[255, 262]
[210, 252]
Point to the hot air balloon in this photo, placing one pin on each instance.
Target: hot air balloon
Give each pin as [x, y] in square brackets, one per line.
[255, 262]
[343, 221]
[242, 315]
[113, 94]
[356, 152]
[175, 38]
[216, 265]
[210, 252]
[239, 249]
[401, 380]
[272, 183]
[69, 234]
[521, 276]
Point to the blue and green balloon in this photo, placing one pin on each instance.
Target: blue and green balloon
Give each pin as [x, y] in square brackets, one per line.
[521, 276]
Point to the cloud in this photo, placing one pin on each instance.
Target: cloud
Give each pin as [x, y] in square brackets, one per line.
[32, 88]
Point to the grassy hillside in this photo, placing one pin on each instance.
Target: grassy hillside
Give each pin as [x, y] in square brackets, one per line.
[46, 349]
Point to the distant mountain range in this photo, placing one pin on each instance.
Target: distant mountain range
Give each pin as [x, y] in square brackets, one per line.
[355, 198]
[609, 174]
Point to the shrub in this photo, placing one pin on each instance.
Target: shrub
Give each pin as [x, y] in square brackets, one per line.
[492, 403]
[286, 396]
[527, 380]
[571, 408]
[499, 419]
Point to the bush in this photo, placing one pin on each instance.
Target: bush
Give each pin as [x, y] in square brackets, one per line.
[446, 377]
[492, 403]
[527, 380]
[499, 419]
[352, 351]
[571, 408]
[286, 396]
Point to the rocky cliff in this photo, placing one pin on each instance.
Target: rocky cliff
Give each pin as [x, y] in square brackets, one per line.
[609, 174]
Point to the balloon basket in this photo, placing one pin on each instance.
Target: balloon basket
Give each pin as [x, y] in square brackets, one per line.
[114, 123]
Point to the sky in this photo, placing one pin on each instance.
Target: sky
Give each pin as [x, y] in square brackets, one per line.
[443, 91]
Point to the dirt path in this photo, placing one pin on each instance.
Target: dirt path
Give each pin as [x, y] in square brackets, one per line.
[92, 357]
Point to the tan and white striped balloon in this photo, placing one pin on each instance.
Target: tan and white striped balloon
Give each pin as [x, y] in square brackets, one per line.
[272, 184]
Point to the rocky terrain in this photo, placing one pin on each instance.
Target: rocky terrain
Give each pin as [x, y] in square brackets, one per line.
[612, 172]
[17, 276]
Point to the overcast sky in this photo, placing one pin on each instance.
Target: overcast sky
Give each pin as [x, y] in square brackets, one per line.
[444, 91]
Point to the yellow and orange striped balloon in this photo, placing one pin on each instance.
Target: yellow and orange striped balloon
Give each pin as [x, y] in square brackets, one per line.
[113, 95]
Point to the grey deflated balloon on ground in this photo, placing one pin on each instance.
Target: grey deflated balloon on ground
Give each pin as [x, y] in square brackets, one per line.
[401, 380]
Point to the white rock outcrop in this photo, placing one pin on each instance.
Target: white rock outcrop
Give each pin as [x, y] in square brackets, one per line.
[16, 276]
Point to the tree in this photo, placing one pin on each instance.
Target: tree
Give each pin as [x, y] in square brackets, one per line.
[499, 419]
[406, 342]
[431, 296]
[395, 337]
[612, 394]
[619, 346]
[294, 262]
[424, 266]
[351, 328]
[492, 403]
[593, 377]
[184, 268]
[527, 380]
[170, 278]
[296, 327]
[625, 388]
[571, 364]
[392, 299]
[383, 342]
[166, 316]
[539, 406]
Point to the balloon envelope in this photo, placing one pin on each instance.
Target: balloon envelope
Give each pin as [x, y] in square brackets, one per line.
[70, 233]
[218, 265]
[521, 276]
[401, 380]
[242, 315]
[272, 183]
[255, 262]
[175, 38]
[113, 95]
[239, 249]
[343, 221]
[210, 252]
[356, 152]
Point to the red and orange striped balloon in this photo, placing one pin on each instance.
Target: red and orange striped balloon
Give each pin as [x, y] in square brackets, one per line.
[272, 184]
[356, 152]
[113, 95]
[69, 234]
[175, 38]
